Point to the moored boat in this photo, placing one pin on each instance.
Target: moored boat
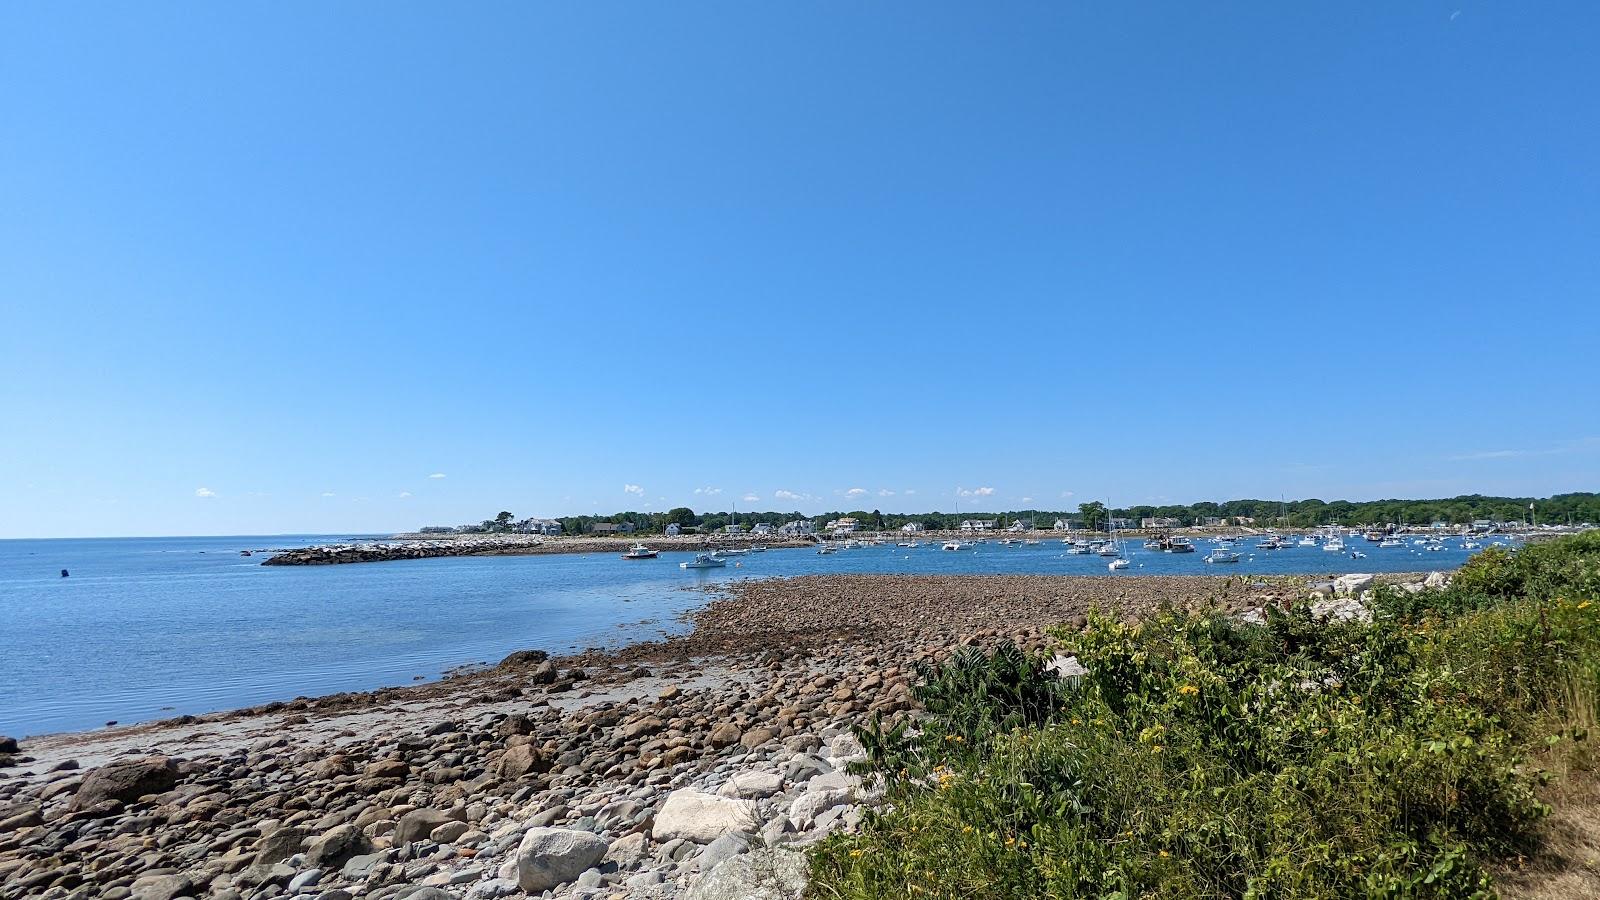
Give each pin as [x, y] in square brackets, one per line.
[640, 551]
[704, 561]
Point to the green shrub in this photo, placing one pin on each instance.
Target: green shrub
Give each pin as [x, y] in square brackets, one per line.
[1202, 757]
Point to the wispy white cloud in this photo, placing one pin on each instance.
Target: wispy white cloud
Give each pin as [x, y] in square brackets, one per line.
[1578, 446]
[910, 492]
[751, 498]
[404, 494]
[633, 489]
[885, 492]
[1066, 494]
[1455, 15]
[855, 492]
[327, 493]
[1027, 499]
[790, 495]
[708, 491]
[437, 475]
[204, 492]
[975, 492]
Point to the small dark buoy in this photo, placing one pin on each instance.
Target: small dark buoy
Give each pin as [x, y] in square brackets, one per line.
[63, 573]
[111, 723]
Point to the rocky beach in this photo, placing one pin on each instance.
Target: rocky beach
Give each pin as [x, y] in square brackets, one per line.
[694, 767]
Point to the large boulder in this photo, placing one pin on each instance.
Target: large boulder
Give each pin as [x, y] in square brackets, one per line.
[1436, 581]
[126, 781]
[335, 847]
[524, 658]
[1352, 585]
[550, 857]
[417, 824]
[702, 818]
[519, 761]
[161, 887]
[766, 874]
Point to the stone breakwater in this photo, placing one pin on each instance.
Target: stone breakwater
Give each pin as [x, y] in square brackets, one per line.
[506, 545]
[693, 768]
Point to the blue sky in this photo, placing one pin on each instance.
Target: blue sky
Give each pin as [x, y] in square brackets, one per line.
[325, 267]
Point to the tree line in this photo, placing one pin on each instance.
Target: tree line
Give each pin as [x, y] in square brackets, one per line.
[1308, 513]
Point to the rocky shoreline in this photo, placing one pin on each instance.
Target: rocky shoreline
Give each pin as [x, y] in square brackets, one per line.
[411, 547]
[693, 767]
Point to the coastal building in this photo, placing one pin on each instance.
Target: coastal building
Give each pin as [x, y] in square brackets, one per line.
[1440, 526]
[911, 527]
[1244, 520]
[611, 528]
[538, 526]
[1062, 525]
[978, 524]
[1212, 521]
[798, 528]
[1482, 525]
[673, 529]
[763, 529]
[1017, 526]
[733, 528]
[1117, 522]
[845, 525]
[1156, 522]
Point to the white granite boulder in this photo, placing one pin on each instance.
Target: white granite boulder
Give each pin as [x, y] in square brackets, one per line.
[701, 817]
[550, 857]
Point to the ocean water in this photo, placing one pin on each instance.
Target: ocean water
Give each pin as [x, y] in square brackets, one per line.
[146, 628]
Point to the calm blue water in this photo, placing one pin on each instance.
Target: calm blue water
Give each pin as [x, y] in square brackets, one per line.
[152, 627]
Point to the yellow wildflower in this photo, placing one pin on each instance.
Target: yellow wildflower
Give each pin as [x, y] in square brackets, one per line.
[1585, 604]
[1165, 854]
[1189, 689]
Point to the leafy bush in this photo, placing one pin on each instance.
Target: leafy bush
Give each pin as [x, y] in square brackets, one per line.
[1204, 757]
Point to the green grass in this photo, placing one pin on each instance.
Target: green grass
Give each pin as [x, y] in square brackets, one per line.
[1206, 758]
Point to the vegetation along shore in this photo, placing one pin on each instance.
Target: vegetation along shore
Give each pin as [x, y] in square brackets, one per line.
[887, 736]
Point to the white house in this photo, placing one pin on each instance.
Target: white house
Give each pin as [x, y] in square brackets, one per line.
[611, 528]
[1062, 525]
[763, 528]
[673, 529]
[539, 526]
[733, 529]
[798, 528]
[846, 525]
[1018, 525]
[1159, 522]
[977, 524]
[911, 527]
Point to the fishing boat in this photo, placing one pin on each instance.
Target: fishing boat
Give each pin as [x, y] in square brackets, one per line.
[759, 548]
[1179, 545]
[953, 545]
[704, 561]
[640, 551]
[1306, 541]
[731, 551]
[1391, 542]
[1222, 555]
[1078, 548]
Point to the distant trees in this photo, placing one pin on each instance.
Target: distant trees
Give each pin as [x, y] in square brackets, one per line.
[1093, 514]
[1576, 507]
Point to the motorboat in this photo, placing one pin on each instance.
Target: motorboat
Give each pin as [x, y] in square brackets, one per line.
[1120, 562]
[1109, 548]
[1271, 543]
[1078, 548]
[1222, 555]
[640, 551]
[825, 549]
[731, 551]
[1180, 545]
[1307, 541]
[953, 545]
[1334, 545]
[1391, 542]
[759, 548]
[704, 561]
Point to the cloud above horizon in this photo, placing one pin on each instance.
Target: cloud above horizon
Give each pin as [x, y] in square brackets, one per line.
[437, 475]
[204, 492]
[975, 492]
[751, 498]
[708, 491]
[789, 495]
[633, 489]
[404, 494]
[855, 492]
